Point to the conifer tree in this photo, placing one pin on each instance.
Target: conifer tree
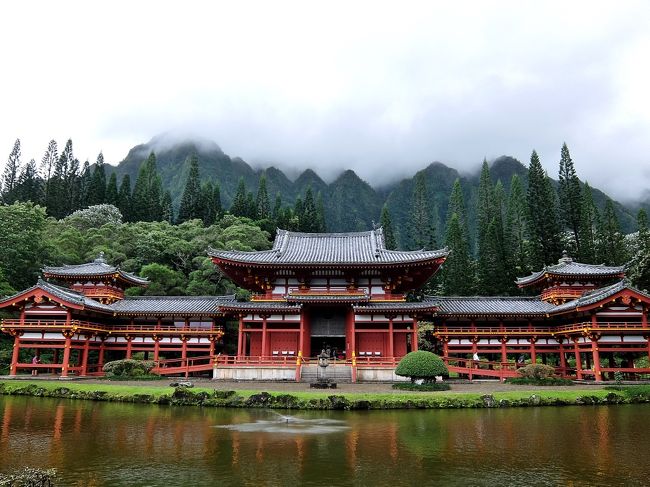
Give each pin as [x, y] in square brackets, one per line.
[97, 188]
[457, 205]
[298, 211]
[30, 187]
[251, 209]
[47, 166]
[262, 205]
[111, 190]
[277, 209]
[147, 193]
[543, 221]
[167, 209]
[421, 228]
[309, 220]
[639, 268]
[458, 272]
[238, 207]
[570, 197]
[320, 211]
[610, 242]
[124, 199]
[589, 225]
[191, 206]
[387, 225]
[216, 202]
[11, 174]
[516, 230]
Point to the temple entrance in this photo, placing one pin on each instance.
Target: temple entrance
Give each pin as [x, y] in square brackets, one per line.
[328, 330]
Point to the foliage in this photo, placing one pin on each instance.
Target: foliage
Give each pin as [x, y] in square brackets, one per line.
[128, 368]
[426, 339]
[421, 365]
[548, 381]
[95, 217]
[536, 371]
[409, 386]
[390, 241]
[29, 477]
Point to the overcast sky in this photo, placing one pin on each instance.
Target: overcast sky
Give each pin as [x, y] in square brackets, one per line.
[384, 89]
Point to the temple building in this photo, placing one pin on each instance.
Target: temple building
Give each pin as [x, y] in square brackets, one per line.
[343, 293]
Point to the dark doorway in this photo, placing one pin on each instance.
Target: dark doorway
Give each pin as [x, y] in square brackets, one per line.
[327, 325]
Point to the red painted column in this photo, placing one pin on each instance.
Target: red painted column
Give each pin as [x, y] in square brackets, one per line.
[391, 338]
[265, 352]
[644, 316]
[533, 351]
[84, 360]
[445, 346]
[596, 355]
[211, 350]
[15, 355]
[301, 336]
[156, 348]
[66, 356]
[414, 340]
[562, 359]
[240, 339]
[184, 356]
[128, 347]
[353, 338]
[100, 361]
[576, 350]
[504, 353]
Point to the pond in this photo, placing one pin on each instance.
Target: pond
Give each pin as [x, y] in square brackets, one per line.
[111, 444]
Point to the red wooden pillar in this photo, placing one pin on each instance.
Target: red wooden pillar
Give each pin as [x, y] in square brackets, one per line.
[128, 347]
[156, 348]
[184, 355]
[84, 360]
[576, 351]
[211, 349]
[504, 352]
[562, 359]
[100, 360]
[264, 337]
[15, 355]
[644, 315]
[240, 338]
[445, 346]
[414, 340]
[596, 356]
[66, 355]
[301, 333]
[353, 341]
[391, 344]
[533, 351]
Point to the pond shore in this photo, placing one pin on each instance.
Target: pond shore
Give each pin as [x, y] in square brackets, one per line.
[347, 397]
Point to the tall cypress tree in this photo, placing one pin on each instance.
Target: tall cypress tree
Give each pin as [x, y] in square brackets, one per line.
[421, 228]
[387, 225]
[238, 207]
[516, 233]
[30, 186]
[309, 221]
[277, 209]
[457, 205]
[111, 190]
[589, 225]
[146, 201]
[166, 207]
[190, 206]
[262, 205]
[543, 220]
[124, 199]
[11, 174]
[216, 202]
[639, 269]
[47, 165]
[458, 271]
[570, 197]
[610, 242]
[320, 212]
[97, 188]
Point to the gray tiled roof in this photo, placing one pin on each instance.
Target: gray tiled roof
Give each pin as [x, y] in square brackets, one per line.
[329, 248]
[98, 267]
[396, 306]
[173, 305]
[596, 296]
[261, 306]
[299, 297]
[567, 267]
[492, 305]
[63, 294]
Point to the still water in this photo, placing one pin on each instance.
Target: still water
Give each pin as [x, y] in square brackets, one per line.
[107, 444]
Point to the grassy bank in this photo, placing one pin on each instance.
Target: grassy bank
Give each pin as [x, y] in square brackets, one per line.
[208, 397]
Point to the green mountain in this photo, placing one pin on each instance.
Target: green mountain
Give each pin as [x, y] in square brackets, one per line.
[350, 203]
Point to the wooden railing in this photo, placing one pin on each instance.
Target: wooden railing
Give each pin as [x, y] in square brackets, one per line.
[80, 325]
[540, 330]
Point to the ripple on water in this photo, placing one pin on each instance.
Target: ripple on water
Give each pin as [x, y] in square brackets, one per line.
[289, 425]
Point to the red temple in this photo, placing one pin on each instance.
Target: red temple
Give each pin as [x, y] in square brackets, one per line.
[340, 292]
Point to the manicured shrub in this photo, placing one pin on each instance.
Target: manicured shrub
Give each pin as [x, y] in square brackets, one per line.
[536, 371]
[421, 365]
[128, 368]
[408, 386]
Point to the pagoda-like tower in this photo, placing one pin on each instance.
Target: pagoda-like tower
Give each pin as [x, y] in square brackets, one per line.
[338, 290]
[568, 280]
[97, 279]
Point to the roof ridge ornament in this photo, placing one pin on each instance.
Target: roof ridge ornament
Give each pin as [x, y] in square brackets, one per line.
[566, 259]
[100, 258]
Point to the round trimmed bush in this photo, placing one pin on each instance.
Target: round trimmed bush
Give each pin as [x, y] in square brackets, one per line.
[421, 365]
[128, 368]
[536, 371]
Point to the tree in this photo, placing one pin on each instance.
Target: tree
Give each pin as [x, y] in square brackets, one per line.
[238, 207]
[309, 221]
[639, 268]
[167, 208]
[458, 269]
[320, 211]
[421, 365]
[387, 225]
[164, 281]
[47, 164]
[190, 207]
[11, 174]
[457, 205]
[112, 195]
[611, 242]
[262, 206]
[570, 196]
[543, 222]
[146, 201]
[30, 186]
[95, 216]
[124, 198]
[97, 188]
[589, 223]
[421, 228]
[516, 231]
[85, 183]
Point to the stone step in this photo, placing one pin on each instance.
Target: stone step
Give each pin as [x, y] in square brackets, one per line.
[339, 373]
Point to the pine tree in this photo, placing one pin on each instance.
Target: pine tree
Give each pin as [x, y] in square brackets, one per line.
[251, 209]
[85, 185]
[216, 202]
[589, 224]
[111, 190]
[238, 207]
[11, 174]
[262, 205]
[309, 220]
[457, 205]
[421, 228]
[457, 273]
[124, 199]
[190, 206]
[167, 209]
[146, 201]
[30, 186]
[277, 210]
[570, 197]
[639, 268]
[387, 225]
[610, 242]
[320, 211]
[516, 233]
[47, 165]
[543, 220]
[56, 198]
[298, 213]
[97, 189]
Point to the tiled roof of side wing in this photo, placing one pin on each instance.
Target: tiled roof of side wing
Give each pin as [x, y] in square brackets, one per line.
[492, 305]
[329, 248]
[261, 305]
[396, 306]
[171, 304]
[98, 267]
[567, 267]
[597, 295]
[64, 294]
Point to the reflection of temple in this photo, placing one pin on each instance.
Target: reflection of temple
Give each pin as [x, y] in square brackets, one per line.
[340, 292]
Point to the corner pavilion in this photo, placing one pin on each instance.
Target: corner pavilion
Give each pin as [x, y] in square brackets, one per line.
[343, 292]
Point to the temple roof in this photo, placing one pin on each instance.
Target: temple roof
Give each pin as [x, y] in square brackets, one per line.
[171, 305]
[491, 305]
[597, 296]
[270, 306]
[395, 307]
[296, 296]
[566, 267]
[329, 249]
[96, 268]
[62, 293]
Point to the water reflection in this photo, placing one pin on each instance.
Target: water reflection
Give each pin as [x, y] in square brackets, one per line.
[124, 444]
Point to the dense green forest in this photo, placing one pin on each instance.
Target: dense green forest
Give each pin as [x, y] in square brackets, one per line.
[157, 219]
